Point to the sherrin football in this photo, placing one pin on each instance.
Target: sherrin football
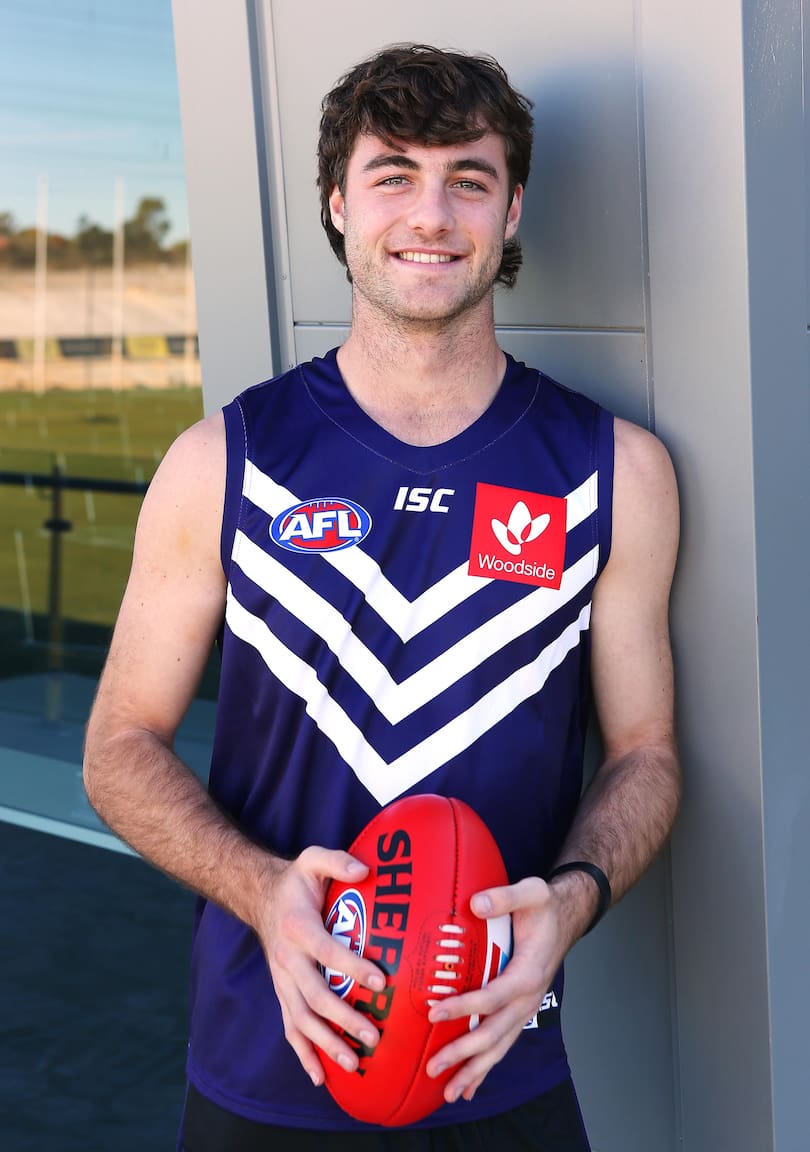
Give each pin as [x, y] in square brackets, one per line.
[426, 855]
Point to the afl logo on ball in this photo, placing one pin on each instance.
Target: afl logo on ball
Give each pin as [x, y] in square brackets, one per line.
[321, 526]
[346, 920]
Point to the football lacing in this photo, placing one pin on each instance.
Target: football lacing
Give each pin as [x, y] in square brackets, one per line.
[450, 958]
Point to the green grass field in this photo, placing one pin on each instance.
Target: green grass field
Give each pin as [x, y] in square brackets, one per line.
[102, 434]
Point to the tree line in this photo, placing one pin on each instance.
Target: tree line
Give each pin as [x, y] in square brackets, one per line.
[92, 246]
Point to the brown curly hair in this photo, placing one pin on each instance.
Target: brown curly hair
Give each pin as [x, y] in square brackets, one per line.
[421, 94]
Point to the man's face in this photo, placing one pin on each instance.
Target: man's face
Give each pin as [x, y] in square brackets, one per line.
[424, 226]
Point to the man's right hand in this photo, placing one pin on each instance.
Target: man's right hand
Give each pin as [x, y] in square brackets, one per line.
[290, 927]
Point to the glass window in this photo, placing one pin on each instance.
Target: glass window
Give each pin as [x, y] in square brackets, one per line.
[98, 367]
[98, 374]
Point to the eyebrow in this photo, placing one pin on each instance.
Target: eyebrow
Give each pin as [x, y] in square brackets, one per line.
[398, 160]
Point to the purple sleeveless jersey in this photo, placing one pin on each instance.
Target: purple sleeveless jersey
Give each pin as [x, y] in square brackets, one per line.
[399, 619]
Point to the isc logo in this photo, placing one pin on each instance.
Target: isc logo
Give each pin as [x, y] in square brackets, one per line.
[422, 499]
[321, 526]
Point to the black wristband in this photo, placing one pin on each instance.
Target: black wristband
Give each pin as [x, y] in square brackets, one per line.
[602, 883]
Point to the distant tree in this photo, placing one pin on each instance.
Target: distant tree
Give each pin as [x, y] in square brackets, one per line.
[62, 251]
[23, 247]
[145, 232]
[94, 244]
[8, 225]
[177, 253]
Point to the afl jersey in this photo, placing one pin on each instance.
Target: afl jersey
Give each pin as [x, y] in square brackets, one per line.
[399, 619]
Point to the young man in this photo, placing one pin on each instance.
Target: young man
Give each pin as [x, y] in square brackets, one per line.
[424, 553]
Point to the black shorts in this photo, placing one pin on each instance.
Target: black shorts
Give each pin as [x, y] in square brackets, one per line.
[551, 1123]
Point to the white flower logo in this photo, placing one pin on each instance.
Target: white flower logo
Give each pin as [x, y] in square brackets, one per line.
[520, 529]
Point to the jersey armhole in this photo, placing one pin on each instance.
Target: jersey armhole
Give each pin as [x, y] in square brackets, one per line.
[604, 463]
[236, 447]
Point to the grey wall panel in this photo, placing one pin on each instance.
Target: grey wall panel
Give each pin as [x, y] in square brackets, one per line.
[777, 197]
[609, 366]
[694, 113]
[616, 1019]
[582, 230]
[805, 23]
[234, 294]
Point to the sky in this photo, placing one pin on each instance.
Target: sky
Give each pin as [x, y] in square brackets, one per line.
[88, 96]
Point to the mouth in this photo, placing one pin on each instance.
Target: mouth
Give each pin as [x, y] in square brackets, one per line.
[412, 257]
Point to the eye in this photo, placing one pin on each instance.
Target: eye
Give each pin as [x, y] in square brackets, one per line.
[393, 181]
[470, 186]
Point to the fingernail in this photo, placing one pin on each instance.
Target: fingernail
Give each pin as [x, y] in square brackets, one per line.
[355, 866]
[376, 982]
[368, 1036]
[482, 905]
[346, 1062]
[316, 1079]
[436, 1072]
[437, 1015]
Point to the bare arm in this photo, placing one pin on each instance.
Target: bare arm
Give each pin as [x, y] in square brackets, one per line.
[627, 812]
[172, 609]
[629, 808]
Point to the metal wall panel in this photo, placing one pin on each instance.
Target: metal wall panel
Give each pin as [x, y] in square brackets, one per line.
[777, 195]
[582, 227]
[225, 171]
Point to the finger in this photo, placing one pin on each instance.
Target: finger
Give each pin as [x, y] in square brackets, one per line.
[472, 1074]
[532, 892]
[509, 989]
[304, 938]
[472, 1068]
[331, 864]
[490, 1033]
[307, 1029]
[304, 1050]
[323, 1002]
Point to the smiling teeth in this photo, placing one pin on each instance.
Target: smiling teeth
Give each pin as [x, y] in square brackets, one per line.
[426, 257]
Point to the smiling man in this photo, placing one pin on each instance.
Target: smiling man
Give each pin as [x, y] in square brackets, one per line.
[425, 560]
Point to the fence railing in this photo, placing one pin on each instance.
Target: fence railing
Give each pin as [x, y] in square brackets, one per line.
[57, 525]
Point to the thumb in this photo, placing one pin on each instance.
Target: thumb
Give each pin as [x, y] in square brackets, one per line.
[508, 898]
[332, 863]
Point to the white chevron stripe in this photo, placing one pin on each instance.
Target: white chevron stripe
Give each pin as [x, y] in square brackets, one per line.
[387, 781]
[406, 618]
[396, 701]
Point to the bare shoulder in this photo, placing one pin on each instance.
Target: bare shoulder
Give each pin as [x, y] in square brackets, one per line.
[645, 496]
[632, 662]
[185, 499]
[194, 465]
[640, 458]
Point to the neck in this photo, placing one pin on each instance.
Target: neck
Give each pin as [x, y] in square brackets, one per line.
[423, 383]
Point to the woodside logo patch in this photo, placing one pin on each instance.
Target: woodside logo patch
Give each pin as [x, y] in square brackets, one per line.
[518, 536]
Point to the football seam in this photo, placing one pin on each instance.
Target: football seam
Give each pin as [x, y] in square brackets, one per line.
[429, 1035]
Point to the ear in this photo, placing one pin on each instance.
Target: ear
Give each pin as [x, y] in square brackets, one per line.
[513, 212]
[337, 208]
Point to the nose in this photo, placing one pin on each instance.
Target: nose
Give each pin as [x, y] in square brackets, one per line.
[430, 211]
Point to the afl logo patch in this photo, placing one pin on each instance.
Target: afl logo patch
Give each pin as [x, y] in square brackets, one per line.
[321, 526]
[346, 920]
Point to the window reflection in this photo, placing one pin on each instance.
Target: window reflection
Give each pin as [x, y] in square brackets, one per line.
[99, 367]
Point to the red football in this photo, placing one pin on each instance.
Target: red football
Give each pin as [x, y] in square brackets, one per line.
[427, 855]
